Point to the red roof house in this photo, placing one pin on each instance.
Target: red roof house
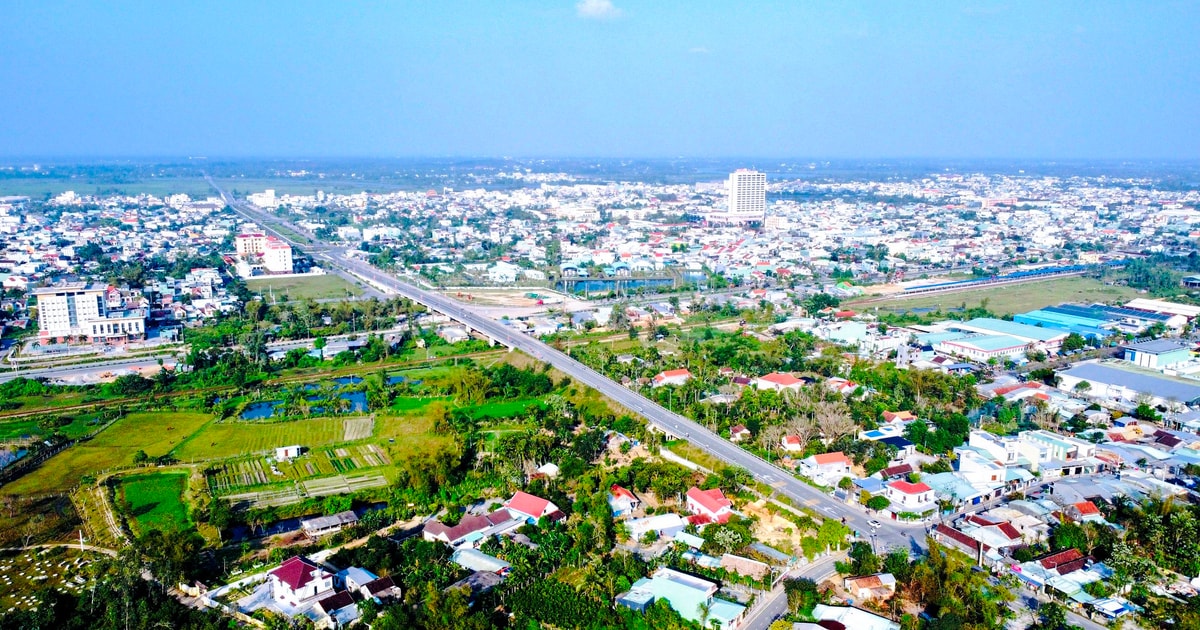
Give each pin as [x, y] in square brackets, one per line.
[530, 506]
[709, 503]
[299, 579]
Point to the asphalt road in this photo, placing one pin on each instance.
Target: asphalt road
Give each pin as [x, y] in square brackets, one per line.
[889, 535]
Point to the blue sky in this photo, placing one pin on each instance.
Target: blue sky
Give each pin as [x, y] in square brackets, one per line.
[618, 78]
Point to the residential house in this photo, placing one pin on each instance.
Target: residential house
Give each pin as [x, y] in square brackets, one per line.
[879, 586]
[532, 507]
[672, 377]
[337, 610]
[826, 468]
[710, 504]
[1084, 512]
[739, 432]
[622, 501]
[688, 595]
[848, 617]
[916, 498]
[472, 528]
[324, 525]
[298, 580]
[779, 382]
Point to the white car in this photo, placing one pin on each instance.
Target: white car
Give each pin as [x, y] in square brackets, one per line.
[875, 524]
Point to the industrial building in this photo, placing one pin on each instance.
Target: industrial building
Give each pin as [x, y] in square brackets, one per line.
[1157, 354]
[1126, 384]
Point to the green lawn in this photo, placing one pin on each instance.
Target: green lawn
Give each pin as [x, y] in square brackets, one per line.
[156, 433]
[302, 288]
[155, 501]
[409, 404]
[231, 438]
[1010, 299]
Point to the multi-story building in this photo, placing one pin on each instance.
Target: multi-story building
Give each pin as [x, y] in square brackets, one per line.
[747, 199]
[65, 311]
[82, 310]
[256, 250]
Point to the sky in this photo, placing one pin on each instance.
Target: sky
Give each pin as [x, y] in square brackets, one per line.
[601, 78]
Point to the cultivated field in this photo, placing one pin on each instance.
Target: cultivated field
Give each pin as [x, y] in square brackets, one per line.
[155, 501]
[316, 287]
[232, 438]
[156, 433]
[22, 574]
[1008, 299]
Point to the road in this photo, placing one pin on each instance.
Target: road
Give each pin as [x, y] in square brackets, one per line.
[890, 535]
[772, 604]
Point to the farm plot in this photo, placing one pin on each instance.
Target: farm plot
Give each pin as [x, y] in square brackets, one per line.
[266, 498]
[156, 433]
[246, 473]
[347, 458]
[221, 440]
[155, 501]
[342, 484]
[357, 428]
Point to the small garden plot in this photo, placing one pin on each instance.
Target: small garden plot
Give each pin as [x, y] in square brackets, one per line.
[241, 474]
[357, 428]
[155, 501]
[23, 574]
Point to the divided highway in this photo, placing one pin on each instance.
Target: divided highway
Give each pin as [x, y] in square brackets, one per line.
[889, 534]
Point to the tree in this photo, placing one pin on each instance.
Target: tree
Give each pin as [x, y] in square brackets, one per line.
[1073, 342]
[878, 503]
[1069, 536]
[1083, 387]
[834, 420]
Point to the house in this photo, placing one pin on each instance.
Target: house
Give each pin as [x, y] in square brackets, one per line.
[739, 432]
[622, 501]
[336, 610]
[383, 590]
[711, 504]
[791, 443]
[895, 472]
[745, 566]
[867, 587]
[288, 452]
[690, 596]
[672, 377]
[826, 468]
[323, 525]
[904, 447]
[778, 381]
[909, 497]
[890, 417]
[531, 507]
[352, 578]
[851, 618]
[453, 334]
[472, 528]
[299, 579]
[475, 560]
[1085, 512]
[661, 524]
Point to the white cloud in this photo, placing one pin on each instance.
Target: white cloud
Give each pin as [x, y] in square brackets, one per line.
[597, 10]
[698, 50]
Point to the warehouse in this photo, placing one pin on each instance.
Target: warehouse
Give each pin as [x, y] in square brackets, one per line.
[1045, 339]
[1125, 384]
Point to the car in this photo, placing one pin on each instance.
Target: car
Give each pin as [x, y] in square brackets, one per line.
[875, 524]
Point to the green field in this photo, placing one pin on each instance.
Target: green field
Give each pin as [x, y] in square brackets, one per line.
[1010, 299]
[17, 429]
[231, 438]
[503, 409]
[303, 288]
[40, 187]
[155, 501]
[156, 433]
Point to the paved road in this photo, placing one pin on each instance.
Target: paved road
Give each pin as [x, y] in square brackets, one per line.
[773, 604]
[889, 535]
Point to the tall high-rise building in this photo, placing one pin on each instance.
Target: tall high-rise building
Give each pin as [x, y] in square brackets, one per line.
[747, 199]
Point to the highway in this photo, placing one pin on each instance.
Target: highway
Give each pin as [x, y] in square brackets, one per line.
[889, 535]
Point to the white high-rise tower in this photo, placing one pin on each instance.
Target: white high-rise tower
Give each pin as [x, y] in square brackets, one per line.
[747, 198]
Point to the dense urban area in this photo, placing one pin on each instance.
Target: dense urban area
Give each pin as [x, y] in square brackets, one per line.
[561, 394]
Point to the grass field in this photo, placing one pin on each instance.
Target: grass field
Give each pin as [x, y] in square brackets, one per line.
[232, 438]
[503, 409]
[17, 429]
[315, 287]
[155, 501]
[157, 433]
[404, 438]
[1015, 298]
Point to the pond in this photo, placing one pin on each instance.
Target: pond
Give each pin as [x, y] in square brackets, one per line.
[348, 380]
[261, 410]
[358, 402]
[394, 380]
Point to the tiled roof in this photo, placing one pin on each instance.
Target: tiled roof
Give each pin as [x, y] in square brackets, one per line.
[712, 500]
[526, 503]
[910, 488]
[836, 457]
[296, 572]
